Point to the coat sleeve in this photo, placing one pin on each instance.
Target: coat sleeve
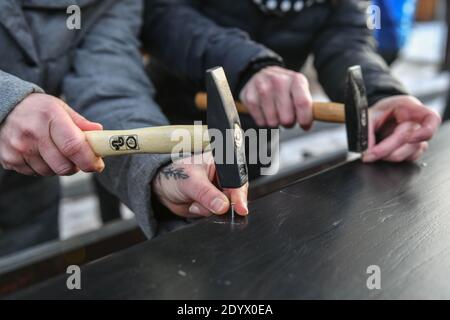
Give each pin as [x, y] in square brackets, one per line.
[12, 91]
[182, 37]
[345, 41]
[108, 84]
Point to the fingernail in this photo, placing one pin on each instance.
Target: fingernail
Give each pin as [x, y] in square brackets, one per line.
[194, 209]
[246, 207]
[369, 157]
[218, 205]
[101, 166]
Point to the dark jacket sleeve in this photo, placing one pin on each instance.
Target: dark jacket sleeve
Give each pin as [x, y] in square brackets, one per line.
[180, 36]
[108, 84]
[346, 41]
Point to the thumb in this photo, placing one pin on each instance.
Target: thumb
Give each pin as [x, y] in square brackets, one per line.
[203, 192]
[81, 122]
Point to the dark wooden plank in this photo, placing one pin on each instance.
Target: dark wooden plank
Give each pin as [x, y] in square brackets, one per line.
[269, 184]
[314, 239]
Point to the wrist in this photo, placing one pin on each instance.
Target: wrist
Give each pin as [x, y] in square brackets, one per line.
[11, 98]
[374, 98]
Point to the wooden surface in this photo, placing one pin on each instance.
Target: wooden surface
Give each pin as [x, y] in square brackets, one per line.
[314, 239]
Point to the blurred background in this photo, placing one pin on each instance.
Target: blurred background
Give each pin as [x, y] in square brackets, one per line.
[414, 39]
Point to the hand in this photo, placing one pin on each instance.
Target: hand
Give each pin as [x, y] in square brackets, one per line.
[403, 125]
[276, 96]
[43, 136]
[187, 189]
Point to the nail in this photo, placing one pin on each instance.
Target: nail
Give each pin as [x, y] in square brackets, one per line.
[101, 166]
[194, 209]
[218, 205]
[246, 207]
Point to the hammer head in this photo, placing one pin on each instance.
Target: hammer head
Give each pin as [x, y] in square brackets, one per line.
[222, 118]
[356, 111]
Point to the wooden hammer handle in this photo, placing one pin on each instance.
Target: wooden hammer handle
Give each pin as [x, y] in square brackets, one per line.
[329, 112]
[156, 140]
[323, 111]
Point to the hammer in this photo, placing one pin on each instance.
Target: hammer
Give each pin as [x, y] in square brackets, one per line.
[354, 113]
[222, 118]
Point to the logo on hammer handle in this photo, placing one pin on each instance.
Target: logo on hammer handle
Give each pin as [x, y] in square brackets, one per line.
[123, 143]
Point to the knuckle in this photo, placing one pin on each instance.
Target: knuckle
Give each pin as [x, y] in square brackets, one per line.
[72, 146]
[47, 111]
[301, 79]
[263, 88]
[250, 100]
[26, 132]
[303, 102]
[20, 146]
[204, 195]
[279, 81]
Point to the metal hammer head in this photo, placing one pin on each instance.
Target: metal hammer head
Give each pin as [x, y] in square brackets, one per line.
[223, 119]
[356, 111]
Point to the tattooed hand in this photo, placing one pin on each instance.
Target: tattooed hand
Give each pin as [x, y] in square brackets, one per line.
[187, 187]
